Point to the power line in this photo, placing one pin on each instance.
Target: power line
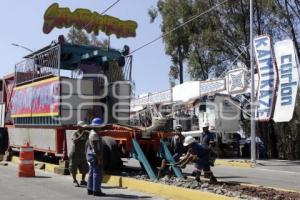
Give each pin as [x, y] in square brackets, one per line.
[103, 12]
[178, 27]
[230, 65]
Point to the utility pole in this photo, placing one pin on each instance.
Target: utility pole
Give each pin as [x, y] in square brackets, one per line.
[253, 138]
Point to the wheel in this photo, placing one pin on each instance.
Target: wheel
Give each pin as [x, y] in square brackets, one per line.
[111, 154]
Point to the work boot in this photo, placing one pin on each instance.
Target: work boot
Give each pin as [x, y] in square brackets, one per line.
[83, 183]
[213, 179]
[207, 175]
[90, 192]
[99, 194]
[76, 184]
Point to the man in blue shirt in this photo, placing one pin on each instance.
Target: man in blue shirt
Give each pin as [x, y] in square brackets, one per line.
[95, 158]
[208, 140]
[199, 155]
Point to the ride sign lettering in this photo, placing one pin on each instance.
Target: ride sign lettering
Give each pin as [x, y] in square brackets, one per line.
[90, 21]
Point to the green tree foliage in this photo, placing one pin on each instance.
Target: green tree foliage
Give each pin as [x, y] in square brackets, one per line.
[76, 36]
[209, 44]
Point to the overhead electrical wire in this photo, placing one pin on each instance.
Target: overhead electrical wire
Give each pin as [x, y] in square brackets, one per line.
[103, 12]
[178, 27]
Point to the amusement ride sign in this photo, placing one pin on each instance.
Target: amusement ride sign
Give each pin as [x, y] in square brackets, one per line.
[38, 99]
[267, 77]
[90, 21]
[288, 80]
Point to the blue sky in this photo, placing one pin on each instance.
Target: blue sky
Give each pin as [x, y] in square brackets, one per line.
[22, 21]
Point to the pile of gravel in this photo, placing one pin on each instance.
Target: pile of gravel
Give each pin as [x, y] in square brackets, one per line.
[234, 190]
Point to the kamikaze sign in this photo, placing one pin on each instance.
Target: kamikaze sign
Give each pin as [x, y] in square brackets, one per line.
[90, 21]
[267, 78]
[288, 80]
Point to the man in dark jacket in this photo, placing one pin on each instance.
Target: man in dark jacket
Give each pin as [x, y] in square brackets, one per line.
[208, 140]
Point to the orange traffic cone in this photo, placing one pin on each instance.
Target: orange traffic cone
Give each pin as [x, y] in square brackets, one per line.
[26, 166]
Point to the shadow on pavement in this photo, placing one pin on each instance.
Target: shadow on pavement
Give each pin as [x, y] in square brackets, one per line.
[42, 177]
[235, 182]
[112, 187]
[228, 177]
[124, 196]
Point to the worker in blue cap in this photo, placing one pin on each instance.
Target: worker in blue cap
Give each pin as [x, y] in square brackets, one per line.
[95, 158]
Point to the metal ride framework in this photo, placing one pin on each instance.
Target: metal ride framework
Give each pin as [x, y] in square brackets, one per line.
[48, 63]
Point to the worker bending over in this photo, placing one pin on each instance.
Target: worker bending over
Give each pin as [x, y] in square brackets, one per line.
[199, 155]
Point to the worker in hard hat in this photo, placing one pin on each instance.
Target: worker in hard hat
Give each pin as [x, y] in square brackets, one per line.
[177, 148]
[77, 158]
[208, 139]
[199, 155]
[95, 159]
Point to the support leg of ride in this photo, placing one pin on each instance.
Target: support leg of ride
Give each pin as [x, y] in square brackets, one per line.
[140, 156]
[169, 158]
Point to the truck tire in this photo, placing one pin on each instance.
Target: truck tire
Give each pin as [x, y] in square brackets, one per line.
[111, 154]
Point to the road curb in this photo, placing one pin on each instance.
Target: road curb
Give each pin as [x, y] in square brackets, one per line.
[168, 191]
[234, 163]
[48, 167]
[158, 189]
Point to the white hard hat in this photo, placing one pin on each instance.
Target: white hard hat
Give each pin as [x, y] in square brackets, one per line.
[81, 124]
[205, 124]
[178, 127]
[188, 140]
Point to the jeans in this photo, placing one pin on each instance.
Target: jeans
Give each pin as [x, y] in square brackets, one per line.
[95, 176]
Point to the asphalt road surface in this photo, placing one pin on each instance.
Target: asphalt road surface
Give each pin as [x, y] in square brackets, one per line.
[270, 173]
[48, 186]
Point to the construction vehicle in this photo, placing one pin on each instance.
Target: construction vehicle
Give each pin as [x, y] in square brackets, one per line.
[191, 111]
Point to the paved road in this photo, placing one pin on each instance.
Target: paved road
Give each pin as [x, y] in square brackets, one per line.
[49, 186]
[271, 173]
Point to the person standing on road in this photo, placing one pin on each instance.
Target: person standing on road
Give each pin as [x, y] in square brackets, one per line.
[199, 155]
[207, 136]
[208, 140]
[77, 158]
[95, 158]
